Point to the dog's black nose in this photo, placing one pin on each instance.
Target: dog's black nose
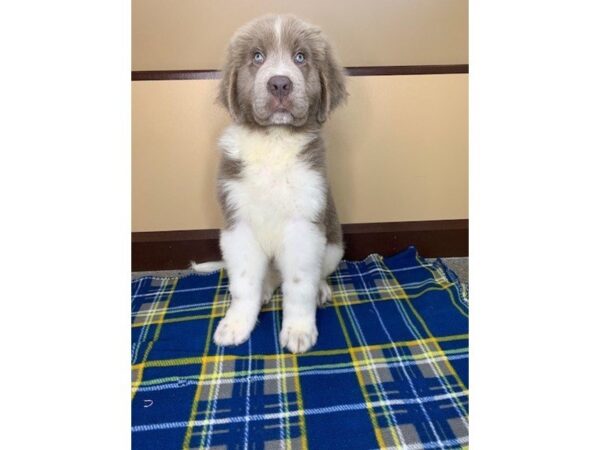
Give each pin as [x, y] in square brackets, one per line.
[280, 86]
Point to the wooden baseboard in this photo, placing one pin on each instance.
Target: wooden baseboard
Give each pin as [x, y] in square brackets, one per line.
[170, 250]
[155, 75]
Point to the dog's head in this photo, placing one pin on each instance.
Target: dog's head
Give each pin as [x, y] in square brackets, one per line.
[281, 71]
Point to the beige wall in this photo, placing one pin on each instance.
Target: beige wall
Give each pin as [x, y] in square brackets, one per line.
[397, 151]
[193, 34]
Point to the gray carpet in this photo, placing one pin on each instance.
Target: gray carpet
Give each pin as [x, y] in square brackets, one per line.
[460, 266]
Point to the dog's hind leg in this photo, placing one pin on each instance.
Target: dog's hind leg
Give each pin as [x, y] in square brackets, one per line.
[271, 283]
[331, 259]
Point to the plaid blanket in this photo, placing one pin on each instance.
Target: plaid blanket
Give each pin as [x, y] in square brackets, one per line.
[389, 370]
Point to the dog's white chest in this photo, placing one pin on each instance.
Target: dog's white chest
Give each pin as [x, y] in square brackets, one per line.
[276, 186]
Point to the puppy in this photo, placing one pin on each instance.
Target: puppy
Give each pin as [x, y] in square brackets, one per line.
[280, 83]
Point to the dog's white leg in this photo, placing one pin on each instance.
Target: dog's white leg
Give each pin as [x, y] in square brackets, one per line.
[300, 262]
[246, 265]
[333, 255]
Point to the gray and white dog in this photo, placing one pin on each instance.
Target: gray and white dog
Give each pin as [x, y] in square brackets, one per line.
[280, 83]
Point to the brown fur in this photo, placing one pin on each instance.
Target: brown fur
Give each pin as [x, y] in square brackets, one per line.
[229, 168]
[325, 87]
[323, 74]
[314, 155]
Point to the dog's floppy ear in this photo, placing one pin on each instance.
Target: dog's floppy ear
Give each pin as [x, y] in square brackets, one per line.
[228, 87]
[333, 84]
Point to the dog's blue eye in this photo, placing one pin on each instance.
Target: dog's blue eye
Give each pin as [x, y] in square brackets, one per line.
[299, 58]
[259, 58]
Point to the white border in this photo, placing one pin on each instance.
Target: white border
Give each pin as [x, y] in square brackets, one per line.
[534, 196]
[65, 184]
[65, 175]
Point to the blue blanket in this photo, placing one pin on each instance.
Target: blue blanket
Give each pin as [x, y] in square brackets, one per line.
[389, 370]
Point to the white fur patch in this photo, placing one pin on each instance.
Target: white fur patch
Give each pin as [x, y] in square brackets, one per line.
[277, 27]
[276, 186]
[206, 267]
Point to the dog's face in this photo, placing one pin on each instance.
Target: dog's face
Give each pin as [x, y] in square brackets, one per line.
[281, 71]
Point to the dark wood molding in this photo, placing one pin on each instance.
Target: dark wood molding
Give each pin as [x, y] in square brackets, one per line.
[179, 235]
[155, 75]
[407, 70]
[169, 250]
[433, 239]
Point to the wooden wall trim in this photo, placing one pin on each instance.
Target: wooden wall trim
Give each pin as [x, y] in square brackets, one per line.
[157, 75]
[170, 250]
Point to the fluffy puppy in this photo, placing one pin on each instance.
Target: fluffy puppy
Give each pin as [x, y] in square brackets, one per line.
[280, 83]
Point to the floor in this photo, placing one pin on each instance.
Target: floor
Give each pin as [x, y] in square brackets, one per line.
[460, 266]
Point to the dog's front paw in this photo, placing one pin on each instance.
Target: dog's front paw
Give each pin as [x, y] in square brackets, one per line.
[298, 337]
[233, 330]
